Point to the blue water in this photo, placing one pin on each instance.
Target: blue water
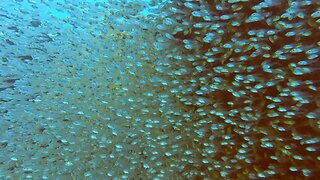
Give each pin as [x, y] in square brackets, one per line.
[159, 89]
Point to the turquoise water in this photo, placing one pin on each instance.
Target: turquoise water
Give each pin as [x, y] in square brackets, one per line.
[159, 89]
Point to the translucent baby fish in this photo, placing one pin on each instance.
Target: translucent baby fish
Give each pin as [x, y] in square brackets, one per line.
[209, 37]
[254, 17]
[316, 14]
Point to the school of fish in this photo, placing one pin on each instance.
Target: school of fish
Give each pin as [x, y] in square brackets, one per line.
[162, 89]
